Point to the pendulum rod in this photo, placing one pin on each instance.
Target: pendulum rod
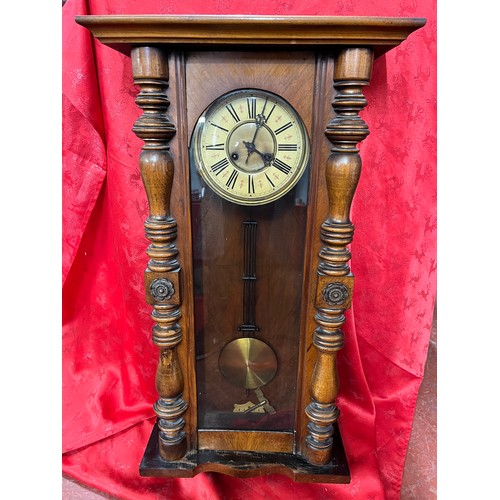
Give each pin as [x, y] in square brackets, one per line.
[249, 328]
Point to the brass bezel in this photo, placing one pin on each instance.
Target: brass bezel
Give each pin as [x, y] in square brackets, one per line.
[203, 169]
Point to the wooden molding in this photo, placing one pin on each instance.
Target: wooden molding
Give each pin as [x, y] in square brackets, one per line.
[352, 72]
[150, 70]
[267, 441]
[380, 33]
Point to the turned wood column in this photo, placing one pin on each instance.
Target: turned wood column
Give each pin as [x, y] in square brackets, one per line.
[334, 288]
[162, 281]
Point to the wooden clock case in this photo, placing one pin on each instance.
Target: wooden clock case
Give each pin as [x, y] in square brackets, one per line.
[182, 64]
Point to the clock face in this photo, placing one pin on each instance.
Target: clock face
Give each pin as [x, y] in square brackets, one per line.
[250, 147]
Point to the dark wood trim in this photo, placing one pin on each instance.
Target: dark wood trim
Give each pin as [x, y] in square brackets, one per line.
[316, 210]
[150, 72]
[245, 464]
[181, 210]
[352, 71]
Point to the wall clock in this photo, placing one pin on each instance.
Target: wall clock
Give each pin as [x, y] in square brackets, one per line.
[250, 176]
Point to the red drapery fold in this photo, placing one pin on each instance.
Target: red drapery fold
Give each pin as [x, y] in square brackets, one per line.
[109, 361]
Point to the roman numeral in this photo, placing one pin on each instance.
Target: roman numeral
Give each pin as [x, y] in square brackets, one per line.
[264, 107]
[218, 167]
[252, 107]
[280, 165]
[270, 181]
[215, 147]
[287, 147]
[218, 126]
[283, 128]
[270, 113]
[232, 179]
[233, 113]
[251, 186]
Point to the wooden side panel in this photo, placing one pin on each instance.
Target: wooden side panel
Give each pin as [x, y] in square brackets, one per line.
[181, 210]
[319, 209]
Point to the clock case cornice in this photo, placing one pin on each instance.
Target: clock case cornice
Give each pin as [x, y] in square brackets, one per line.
[294, 32]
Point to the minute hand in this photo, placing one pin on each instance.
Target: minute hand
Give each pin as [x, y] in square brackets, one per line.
[259, 122]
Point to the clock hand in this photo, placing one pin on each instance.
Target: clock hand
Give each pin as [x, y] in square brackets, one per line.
[250, 147]
[267, 157]
[259, 122]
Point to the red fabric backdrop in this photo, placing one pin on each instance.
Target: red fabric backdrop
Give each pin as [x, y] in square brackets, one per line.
[109, 360]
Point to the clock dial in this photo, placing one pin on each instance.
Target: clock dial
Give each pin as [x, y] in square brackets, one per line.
[250, 147]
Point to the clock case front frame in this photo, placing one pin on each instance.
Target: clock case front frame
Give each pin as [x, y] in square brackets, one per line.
[341, 51]
[279, 255]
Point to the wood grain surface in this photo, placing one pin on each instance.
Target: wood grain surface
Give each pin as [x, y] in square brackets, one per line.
[381, 33]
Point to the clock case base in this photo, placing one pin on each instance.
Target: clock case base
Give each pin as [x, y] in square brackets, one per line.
[245, 464]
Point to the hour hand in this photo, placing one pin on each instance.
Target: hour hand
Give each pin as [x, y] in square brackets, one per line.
[250, 146]
[266, 157]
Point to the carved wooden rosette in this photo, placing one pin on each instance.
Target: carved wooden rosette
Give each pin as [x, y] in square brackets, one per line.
[150, 71]
[352, 71]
